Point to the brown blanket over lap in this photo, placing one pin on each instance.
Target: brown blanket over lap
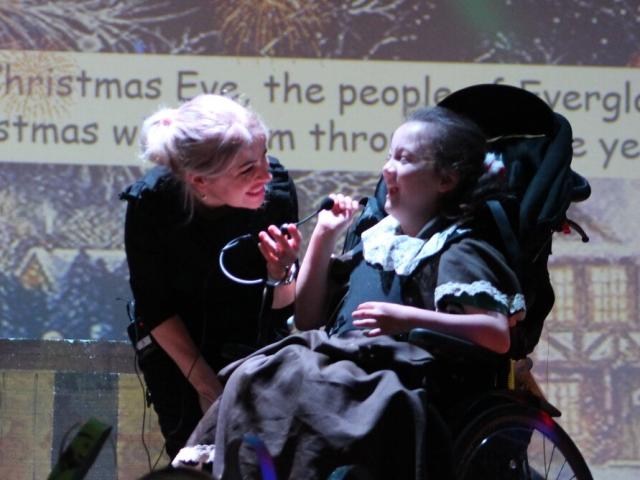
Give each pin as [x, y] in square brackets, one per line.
[318, 403]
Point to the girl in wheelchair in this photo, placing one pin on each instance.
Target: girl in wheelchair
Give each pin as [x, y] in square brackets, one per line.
[349, 389]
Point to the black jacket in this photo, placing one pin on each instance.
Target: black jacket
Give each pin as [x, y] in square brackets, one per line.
[174, 270]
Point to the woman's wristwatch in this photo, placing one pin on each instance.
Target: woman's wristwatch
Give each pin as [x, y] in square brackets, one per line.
[289, 276]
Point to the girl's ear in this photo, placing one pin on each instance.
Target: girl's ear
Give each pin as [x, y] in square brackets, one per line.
[448, 181]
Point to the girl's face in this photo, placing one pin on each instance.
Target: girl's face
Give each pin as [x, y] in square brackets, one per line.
[413, 185]
[243, 185]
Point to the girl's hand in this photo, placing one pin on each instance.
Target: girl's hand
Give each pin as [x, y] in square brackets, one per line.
[339, 217]
[279, 250]
[382, 318]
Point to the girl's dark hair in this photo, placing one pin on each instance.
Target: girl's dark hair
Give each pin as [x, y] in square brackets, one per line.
[459, 146]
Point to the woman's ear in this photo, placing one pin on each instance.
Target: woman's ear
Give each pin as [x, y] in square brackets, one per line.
[448, 181]
[196, 181]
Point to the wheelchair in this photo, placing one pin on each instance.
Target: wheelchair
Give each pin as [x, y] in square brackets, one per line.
[503, 428]
[509, 431]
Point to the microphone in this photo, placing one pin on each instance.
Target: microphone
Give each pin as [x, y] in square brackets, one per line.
[326, 204]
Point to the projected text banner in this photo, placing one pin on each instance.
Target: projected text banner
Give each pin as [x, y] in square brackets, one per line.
[78, 108]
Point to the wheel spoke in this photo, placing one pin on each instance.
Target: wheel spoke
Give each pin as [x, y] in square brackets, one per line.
[544, 457]
[564, 463]
[548, 465]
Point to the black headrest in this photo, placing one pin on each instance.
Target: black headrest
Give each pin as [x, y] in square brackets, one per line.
[502, 110]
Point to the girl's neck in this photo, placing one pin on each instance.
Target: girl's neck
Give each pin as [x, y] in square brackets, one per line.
[413, 226]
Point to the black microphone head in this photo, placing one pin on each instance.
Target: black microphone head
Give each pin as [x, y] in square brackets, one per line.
[327, 204]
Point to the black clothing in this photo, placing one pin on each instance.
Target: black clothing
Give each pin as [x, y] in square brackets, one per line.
[174, 270]
[366, 284]
[370, 282]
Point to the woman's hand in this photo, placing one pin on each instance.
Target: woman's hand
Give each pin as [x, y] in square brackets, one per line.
[337, 219]
[205, 403]
[208, 395]
[176, 341]
[279, 250]
[208, 392]
[382, 318]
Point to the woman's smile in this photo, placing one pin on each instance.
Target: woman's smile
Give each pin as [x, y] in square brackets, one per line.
[257, 191]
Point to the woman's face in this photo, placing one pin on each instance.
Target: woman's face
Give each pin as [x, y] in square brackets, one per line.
[243, 185]
[413, 185]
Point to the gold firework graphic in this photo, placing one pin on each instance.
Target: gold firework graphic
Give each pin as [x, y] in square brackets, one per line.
[35, 84]
[269, 26]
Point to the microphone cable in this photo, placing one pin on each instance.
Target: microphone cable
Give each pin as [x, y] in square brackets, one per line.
[326, 204]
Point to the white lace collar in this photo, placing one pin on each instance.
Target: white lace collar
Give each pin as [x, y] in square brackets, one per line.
[383, 245]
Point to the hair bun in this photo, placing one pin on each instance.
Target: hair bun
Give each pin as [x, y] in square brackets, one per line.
[156, 139]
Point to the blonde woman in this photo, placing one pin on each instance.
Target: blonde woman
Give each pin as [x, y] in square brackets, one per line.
[213, 181]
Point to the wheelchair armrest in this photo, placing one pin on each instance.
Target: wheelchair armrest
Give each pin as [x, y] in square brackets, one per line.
[457, 353]
[453, 349]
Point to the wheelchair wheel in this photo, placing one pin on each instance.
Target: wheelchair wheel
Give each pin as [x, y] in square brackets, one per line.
[519, 443]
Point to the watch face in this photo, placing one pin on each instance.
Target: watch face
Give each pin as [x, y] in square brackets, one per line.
[291, 274]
